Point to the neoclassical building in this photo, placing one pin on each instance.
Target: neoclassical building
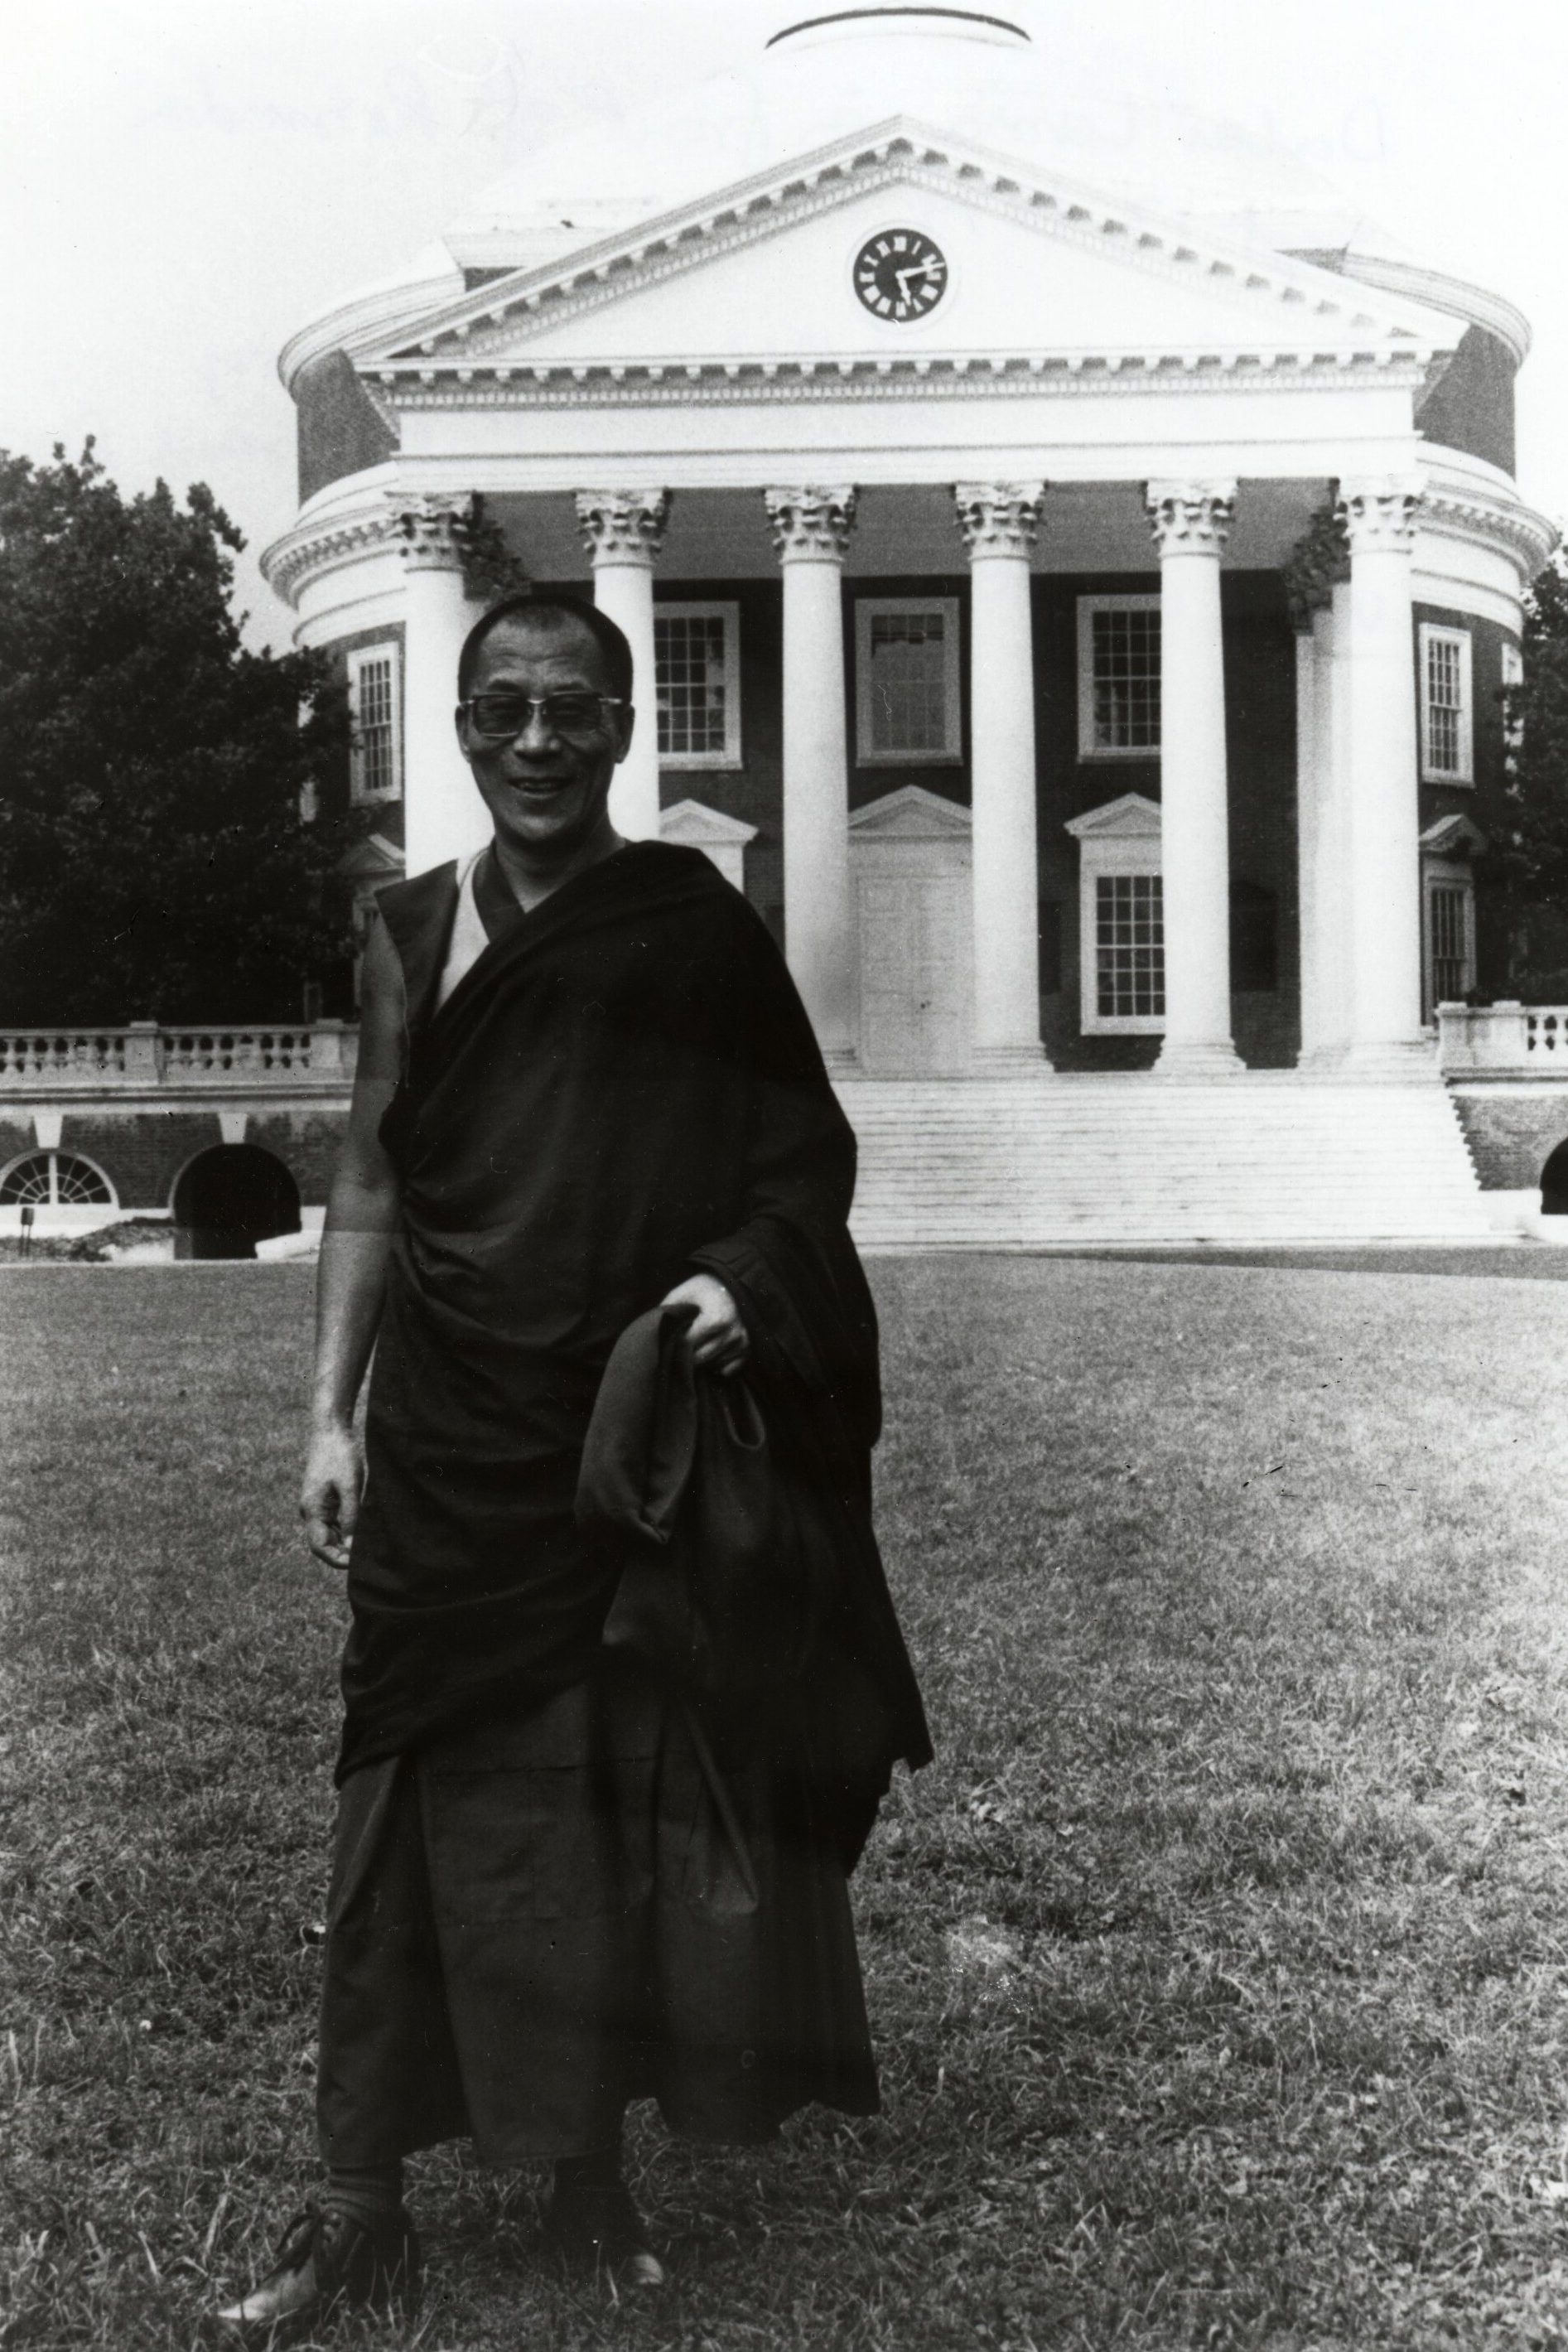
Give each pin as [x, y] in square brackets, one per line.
[1073, 564]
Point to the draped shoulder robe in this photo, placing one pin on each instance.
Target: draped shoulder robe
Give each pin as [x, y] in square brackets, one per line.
[622, 1090]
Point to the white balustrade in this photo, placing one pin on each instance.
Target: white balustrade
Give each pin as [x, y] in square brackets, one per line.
[318, 1055]
[1524, 1040]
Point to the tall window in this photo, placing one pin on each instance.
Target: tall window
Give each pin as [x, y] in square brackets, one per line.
[1129, 947]
[1446, 723]
[1512, 679]
[1449, 933]
[1121, 919]
[1450, 957]
[906, 681]
[697, 650]
[374, 708]
[1118, 677]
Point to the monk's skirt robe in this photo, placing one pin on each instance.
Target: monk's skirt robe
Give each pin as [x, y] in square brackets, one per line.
[558, 1885]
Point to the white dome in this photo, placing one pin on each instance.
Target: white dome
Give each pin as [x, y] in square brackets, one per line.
[988, 74]
[1007, 76]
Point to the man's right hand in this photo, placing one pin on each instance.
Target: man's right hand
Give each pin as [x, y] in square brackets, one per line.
[329, 1496]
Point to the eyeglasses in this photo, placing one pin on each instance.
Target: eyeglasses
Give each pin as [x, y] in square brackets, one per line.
[573, 717]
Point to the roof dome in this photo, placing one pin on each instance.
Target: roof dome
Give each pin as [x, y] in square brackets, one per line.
[818, 72]
[997, 75]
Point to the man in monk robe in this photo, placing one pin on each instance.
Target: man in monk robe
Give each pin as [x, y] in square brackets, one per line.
[586, 1090]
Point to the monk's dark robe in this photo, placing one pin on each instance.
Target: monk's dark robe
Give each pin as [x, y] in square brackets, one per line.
[623, 1089]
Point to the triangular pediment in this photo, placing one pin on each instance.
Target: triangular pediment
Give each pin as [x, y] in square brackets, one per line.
[1457, 835]
[694, 826]
[911, 813]
[371, 859]
[1133, 817]
[1036, 271]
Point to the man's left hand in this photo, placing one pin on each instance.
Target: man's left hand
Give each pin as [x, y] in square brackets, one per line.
[718, 1336]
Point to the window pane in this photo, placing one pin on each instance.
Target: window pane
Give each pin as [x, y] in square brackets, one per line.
[29, 1181]
[1126, 681]
[691, 683]
[909, 682]
[1129, 947]
[1445, 705]
[374, 727]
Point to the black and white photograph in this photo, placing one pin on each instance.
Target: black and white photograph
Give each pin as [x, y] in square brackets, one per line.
[783, 1176]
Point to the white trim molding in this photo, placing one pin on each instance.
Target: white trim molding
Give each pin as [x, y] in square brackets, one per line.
[1279, 299]
[723, 840]
[1437, 642]
[1120, 840]
[317, 544]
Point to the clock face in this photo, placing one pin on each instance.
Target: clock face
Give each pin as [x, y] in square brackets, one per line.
[900, 274]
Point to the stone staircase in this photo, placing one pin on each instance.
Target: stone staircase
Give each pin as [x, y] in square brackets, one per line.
[1055, 1162]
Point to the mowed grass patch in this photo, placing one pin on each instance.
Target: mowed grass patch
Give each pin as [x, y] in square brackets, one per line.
[1217, 1968]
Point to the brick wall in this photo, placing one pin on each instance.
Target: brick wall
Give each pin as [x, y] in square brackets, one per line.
[1511, 1129]
[142, 1153]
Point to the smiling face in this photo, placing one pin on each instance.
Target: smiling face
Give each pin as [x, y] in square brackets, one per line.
[547, 795]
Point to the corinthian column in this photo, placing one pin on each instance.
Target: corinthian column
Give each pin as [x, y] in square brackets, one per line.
[443, 815]
[1386, 1038]
[622, 530]
[999, 521]
[811, 531]
[1191, 521]
[1317, 573]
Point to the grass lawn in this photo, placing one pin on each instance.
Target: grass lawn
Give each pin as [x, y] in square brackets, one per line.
[1218, 1968]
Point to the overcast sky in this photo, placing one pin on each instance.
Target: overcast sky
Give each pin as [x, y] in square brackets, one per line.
[182, 182]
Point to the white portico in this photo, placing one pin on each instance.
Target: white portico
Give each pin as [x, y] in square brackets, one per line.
[950, 496]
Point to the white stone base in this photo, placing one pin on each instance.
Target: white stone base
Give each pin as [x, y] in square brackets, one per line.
[1412, 1061]
[1196, 1061]
[1012, 1061]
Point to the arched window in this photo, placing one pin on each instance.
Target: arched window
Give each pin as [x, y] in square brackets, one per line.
[54, 1180]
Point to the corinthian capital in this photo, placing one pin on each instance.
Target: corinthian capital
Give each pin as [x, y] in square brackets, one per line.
[622, 526]
[1190, 518]
[811, 524]
[1380, 513]
[433, 530]
[998, 517]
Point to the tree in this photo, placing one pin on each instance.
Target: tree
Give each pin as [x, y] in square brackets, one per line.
[154, 863]
[1528, 863]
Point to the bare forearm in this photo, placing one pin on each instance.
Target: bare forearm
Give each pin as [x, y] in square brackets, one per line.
[360, 1220]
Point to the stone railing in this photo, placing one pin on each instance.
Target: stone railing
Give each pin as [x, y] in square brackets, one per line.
[1506, 1040]
[314, 1058]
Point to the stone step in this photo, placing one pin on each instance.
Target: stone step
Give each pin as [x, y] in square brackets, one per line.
[1038, 1163]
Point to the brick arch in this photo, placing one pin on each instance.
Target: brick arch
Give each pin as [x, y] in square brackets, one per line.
[1554, 1184]
[230, 1196]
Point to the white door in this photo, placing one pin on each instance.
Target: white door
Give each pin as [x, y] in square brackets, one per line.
[913, 952]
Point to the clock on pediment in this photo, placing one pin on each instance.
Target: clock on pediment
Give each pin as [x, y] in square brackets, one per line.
[900, 274]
